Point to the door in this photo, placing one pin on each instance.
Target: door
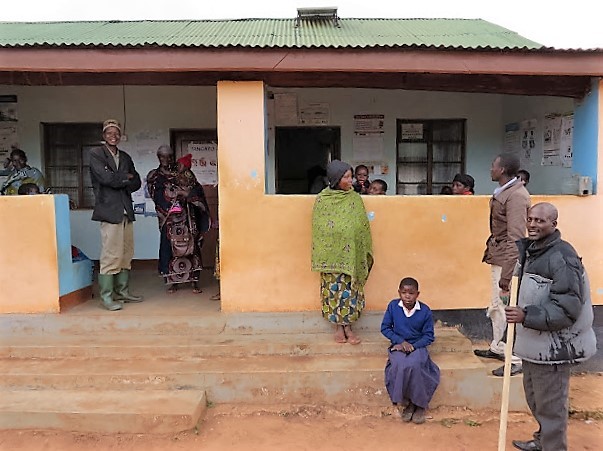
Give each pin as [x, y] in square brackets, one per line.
[183, 141]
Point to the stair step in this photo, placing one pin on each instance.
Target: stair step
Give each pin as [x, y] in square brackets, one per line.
[102, 411]
[220, 345]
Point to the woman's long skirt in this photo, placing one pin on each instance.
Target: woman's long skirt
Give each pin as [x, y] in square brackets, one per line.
[342, 298]
[411, 377]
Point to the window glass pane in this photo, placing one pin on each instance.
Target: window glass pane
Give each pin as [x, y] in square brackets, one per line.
[66, 177]
[447, 131]
[444, 172]
[412, 151]
[71, 192]
[447, 152]
[412, 173]
[86, 154]
[412, 189]
[62, 155]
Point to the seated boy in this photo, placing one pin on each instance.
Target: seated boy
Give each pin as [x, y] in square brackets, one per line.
[377, 187]
[411, 377]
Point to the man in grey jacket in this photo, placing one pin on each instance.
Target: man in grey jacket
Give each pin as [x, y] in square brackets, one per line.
[554, 320]
[114, 179]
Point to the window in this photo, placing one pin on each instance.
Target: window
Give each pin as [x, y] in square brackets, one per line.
[430, 153]
[67, 157]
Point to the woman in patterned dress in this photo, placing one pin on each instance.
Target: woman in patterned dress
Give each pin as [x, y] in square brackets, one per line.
[341, 250]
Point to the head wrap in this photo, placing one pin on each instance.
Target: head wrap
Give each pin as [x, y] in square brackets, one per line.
[465, 179]
[335, 171]
[165, 150]
[111, 123]
[186, 160]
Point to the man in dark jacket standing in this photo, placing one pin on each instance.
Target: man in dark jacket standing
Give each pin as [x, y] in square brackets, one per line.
[508, 212]
[554, 317]
[114, 179]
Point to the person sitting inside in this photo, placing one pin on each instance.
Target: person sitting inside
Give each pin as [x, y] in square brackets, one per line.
[446, 190]
[463, 184]
[20, 174]
[411, 377]
[378, 187]
[28, 189]
[524, 176]
[361, 182]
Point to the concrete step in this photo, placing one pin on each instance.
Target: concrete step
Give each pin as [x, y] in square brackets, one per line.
[48, 346]
[261, 379]
[102, 411]
[133, 323]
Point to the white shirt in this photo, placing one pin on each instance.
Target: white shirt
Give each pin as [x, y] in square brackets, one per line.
[500, 189]
[409, 313]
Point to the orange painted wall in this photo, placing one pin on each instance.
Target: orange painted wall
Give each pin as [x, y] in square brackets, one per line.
[265, 239]
[28, 259]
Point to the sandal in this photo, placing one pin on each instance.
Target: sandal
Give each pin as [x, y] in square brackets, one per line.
[196, 288]
[215, 297]
[340, 335]
[352, 338]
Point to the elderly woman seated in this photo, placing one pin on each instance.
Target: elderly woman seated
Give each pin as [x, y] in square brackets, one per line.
[20, 174]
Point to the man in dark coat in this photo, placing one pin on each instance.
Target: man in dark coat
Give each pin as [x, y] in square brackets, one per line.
[114, 179]
[554, 317]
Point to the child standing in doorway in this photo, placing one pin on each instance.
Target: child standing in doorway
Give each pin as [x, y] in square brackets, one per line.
[411, 377]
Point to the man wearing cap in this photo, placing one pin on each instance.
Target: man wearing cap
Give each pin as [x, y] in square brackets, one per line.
[114, 179]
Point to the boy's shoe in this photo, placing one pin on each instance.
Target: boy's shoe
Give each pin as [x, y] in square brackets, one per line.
[408, 412]
[500, 371]
[529, 445]
[419, 416]
[488, 354]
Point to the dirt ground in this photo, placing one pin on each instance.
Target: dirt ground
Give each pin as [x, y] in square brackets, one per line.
[315, 428]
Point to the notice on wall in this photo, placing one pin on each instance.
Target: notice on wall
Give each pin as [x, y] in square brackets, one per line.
[285, 108]
[528, 139]
[411, 131]
[369, 123]
[8, 126]
[314, 114]
[204, 162]
[551, 132]
[512, 138]
[566, 141]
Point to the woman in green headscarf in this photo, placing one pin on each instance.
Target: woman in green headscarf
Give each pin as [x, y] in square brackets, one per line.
[342, 250]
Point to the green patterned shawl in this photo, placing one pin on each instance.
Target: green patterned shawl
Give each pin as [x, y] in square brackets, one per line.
[341, 235]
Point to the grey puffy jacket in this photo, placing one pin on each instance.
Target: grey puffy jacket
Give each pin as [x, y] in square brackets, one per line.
[555, 295]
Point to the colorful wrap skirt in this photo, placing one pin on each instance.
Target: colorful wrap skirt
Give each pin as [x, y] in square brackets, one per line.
[342, 298]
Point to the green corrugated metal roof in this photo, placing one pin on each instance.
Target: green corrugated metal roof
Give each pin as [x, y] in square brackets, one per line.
[268, 33]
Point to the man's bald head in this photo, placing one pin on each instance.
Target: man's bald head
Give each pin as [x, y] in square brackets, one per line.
[542, 220]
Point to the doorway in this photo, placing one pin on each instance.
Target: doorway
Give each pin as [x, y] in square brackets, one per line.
[301, 153]
[203, 144]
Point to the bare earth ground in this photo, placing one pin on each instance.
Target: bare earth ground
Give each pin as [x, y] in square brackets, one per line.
[292, 428]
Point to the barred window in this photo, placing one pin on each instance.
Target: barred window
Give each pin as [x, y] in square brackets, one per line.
[67, 160]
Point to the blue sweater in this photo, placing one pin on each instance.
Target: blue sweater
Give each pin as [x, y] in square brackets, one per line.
[417, 330]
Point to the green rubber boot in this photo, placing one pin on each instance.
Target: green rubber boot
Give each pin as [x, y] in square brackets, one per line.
[122, 287]
[105, 284]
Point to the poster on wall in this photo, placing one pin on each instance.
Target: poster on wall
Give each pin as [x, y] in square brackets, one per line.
[285, 108]
[512, 137]
[8, 127]
[528, 139]
[411, 131]
[204, 162]
[314, 114]
[551, 132]
[369, 123]
[566, 140]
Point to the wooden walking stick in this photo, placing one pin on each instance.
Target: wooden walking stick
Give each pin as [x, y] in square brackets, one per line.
[504, 407]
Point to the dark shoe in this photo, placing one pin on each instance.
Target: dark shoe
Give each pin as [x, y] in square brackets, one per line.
[105, 285]
[419, 416]
[488, 354]
[530, 445]
[500, 371]
[122, 287]
[408, 412]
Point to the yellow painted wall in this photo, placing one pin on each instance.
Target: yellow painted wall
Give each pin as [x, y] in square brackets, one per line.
[28, 256]
[265, 239]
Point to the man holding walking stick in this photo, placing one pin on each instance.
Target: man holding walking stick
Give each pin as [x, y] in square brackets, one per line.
[554, 318]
